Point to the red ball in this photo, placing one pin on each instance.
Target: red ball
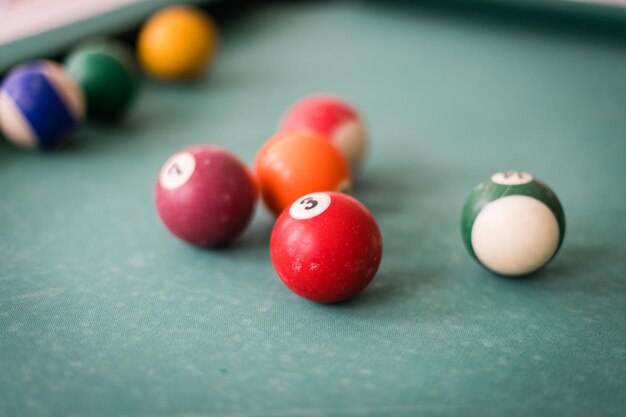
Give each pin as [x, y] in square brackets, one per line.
[326, 247]
[205, 195]
[332, 118]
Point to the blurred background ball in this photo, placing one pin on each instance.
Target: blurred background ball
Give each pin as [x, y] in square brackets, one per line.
[108, 74]
[40, 105]
[332, 118]
[178, 42]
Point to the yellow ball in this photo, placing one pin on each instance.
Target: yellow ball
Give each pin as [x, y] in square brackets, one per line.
[177, 42]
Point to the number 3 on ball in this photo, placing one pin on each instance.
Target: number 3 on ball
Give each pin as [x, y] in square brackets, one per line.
[309, 206]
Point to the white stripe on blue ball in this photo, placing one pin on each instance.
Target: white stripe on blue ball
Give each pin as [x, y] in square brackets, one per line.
[13, 124]
[70, 92]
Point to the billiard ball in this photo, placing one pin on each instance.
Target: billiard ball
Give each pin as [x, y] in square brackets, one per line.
[107, 72]
[178, 42]
[333, 118]
[513, 224]
[205, 195]
[326, 247]
[292, 164]
[40, 105]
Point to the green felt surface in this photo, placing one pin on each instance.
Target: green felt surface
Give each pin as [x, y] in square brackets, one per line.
[103, 313]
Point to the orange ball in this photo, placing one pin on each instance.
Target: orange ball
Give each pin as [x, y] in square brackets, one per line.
[177, 42]
[291, 165]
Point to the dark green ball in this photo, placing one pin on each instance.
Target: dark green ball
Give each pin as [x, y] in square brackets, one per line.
[108, 74]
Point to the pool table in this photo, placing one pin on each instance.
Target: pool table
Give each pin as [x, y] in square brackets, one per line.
[104, 313]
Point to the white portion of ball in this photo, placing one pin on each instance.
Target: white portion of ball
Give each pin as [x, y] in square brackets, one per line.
[177, 170]
[309, 206]
[515, 235]
[14, 125]
[511, 178]
[69, 92]
[350, 139]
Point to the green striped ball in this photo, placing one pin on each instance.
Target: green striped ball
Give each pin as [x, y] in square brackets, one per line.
[513, 224]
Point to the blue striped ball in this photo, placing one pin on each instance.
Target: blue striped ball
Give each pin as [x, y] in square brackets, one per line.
[40, 105]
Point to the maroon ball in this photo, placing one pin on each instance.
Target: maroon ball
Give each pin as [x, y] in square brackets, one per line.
[326, 247]
[205, 195]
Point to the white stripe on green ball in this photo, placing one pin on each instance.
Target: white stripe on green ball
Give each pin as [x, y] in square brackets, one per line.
[513, 224]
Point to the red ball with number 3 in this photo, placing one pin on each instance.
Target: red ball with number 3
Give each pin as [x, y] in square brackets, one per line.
[326, 247]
